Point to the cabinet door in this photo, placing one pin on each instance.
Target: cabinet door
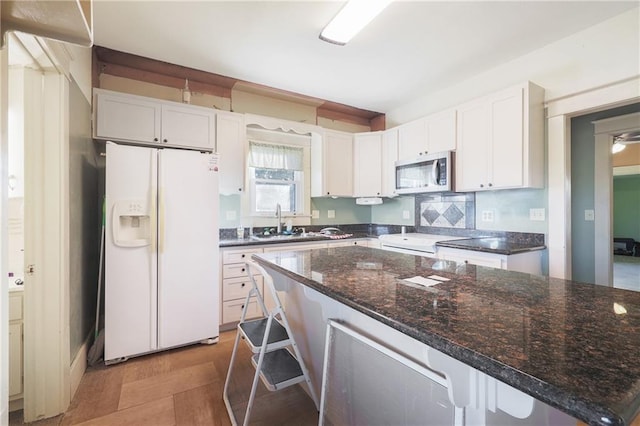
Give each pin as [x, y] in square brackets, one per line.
[338, 163]
[441, 131]
[367, 164]
[389, 158]
[230, 145]
[412, 139]
[472, 257]
[127, 118]
[473, 142]
[15, 359]
[507, 143]
[188, 126]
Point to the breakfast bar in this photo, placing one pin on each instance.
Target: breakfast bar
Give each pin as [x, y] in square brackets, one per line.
[511, 346]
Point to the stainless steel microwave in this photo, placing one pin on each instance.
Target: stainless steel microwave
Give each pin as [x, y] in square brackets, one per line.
[427, 173]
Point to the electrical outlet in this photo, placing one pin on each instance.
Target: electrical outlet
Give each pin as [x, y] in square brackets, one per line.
[315, 214]
[487, 215]
[537, 214]
[231, 215]
[589, 215]
[406, 214]
[331, 214]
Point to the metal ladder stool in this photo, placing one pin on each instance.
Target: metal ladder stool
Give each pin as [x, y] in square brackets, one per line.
[270, 340]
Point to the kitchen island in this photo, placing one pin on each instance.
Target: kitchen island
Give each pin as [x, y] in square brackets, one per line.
[561, 344]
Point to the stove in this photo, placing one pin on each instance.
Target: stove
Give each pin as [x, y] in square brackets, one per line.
[414, 243]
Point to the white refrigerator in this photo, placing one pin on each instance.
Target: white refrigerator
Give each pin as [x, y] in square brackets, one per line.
[161, 249]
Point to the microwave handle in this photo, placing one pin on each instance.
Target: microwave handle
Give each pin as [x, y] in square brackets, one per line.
[435, 172]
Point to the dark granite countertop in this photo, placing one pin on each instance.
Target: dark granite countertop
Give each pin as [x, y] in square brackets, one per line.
[498, 245]
[565, 343]
[249, 241]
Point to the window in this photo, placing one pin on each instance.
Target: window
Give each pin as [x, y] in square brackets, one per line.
[276, 176]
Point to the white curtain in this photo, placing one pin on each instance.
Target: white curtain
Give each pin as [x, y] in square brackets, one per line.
[271, 156]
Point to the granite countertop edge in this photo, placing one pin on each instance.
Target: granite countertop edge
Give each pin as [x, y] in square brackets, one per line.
[248, 241]
[508, 250]
[456, 243]
[569, 403]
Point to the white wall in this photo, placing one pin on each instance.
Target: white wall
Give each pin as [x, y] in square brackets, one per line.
[605, 53]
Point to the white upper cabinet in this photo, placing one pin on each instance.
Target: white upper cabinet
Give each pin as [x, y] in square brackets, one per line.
[188, 126]
[389, 158]
[500, 140]
[137, 119]
[230, 146]
[412, 139]
[434, 133]
[332, 164]
[367, 165]
[441, 131]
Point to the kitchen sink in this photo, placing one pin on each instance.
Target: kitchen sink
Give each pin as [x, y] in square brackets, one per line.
[273, 237]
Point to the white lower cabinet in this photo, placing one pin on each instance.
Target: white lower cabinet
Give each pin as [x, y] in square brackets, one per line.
[529, 262]
[235, 281]
[15, 345]
[236, 284]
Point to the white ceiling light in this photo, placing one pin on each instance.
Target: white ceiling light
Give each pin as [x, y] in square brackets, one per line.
[351, 19]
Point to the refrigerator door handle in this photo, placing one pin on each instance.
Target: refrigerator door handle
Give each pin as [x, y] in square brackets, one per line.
[161, 217]
[154, 218]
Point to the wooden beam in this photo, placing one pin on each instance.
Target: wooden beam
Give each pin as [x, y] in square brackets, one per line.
[341, 116]
[135, 67]
[162, 79]
[379, 122]
[114, 57]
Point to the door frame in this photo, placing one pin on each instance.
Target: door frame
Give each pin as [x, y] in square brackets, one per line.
[603, 193]
[4, 197]
[559, 114]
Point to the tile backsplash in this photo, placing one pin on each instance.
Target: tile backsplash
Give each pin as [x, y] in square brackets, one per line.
[451, 211]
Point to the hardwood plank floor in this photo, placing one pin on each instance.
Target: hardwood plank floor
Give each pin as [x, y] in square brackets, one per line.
[181, 387]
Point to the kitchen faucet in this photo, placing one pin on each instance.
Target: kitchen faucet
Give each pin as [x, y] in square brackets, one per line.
[279, 216]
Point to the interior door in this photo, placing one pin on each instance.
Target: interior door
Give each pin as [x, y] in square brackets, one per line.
[188, 281]
[130, 253]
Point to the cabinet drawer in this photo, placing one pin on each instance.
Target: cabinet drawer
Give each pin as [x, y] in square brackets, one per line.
[237, 256]
[234, 270]
[15, 307]
[238, 288]
[232, 310]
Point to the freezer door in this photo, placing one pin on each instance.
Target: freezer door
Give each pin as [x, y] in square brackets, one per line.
[130, 251]
[188, 283]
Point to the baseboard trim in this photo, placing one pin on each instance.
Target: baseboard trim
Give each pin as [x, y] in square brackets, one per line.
[78, 367]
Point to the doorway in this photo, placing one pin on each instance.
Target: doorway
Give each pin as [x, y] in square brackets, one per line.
[626, 211]
[592, 192]
[37, 117]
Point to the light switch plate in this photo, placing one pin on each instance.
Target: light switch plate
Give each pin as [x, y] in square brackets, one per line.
[331, 214]
[589, 215]
[537, 214]
[315, 214]
[406, 214]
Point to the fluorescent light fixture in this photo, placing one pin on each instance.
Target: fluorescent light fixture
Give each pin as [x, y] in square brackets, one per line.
[617, 147]
[351, 19]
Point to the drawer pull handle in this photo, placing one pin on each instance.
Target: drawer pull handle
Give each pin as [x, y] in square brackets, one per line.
[242, 306]
[243, 255]
[242, 285]
[242, 269]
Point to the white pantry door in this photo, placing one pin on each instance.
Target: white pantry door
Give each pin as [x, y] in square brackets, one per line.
[188, 292]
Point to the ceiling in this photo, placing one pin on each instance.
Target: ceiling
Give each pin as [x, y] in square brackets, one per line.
[411, 49]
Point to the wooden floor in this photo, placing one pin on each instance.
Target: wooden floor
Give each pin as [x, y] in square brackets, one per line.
[181, 387]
